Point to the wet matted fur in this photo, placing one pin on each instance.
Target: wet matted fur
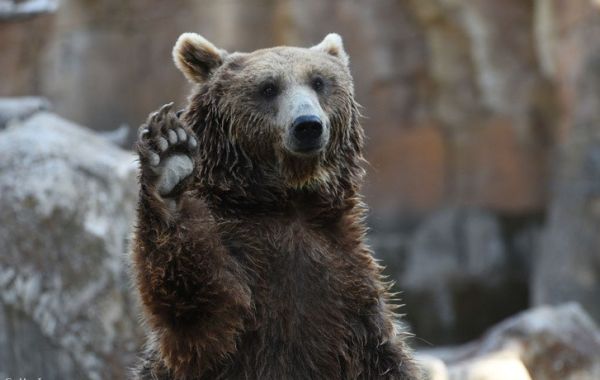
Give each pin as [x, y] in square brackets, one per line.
[255, 266]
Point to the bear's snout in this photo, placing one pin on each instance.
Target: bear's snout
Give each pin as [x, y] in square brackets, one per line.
[306, 134]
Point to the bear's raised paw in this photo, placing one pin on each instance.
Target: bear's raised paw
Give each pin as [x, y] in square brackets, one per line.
[166, 148]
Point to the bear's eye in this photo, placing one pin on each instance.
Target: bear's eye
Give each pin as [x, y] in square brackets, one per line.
[269, 90]
[318, 84]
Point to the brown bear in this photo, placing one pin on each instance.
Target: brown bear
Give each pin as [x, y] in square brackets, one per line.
[249, 253]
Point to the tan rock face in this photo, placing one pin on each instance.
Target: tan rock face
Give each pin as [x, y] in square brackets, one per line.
[21, 44]
[455, 65]
[421, 158]
[568, 264]
[510, 177]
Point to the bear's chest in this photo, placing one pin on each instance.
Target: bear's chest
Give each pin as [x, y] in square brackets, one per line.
[290, 265]
[307, 307]
[297, 271]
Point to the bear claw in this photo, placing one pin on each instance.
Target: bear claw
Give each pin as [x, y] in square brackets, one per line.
[167, 147]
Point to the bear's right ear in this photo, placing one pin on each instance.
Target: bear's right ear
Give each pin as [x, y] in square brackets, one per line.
[332, 44]
[196, 57]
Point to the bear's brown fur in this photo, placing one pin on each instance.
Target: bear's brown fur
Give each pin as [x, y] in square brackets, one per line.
[255, 266]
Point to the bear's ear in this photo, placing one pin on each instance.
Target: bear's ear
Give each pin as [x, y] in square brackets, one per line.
[196, 57]
[332, 44]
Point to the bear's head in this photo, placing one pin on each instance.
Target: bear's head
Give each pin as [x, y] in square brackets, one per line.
[275, 124]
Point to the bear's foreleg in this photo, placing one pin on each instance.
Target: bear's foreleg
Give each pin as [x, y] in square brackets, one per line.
[194, 293]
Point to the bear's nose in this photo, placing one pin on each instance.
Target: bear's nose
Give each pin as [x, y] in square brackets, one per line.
[307, 131]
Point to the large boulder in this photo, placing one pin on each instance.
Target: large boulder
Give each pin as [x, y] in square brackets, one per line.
[551, 343]
[67, 200]
[497, 366]
[20, 108]
[460, 277]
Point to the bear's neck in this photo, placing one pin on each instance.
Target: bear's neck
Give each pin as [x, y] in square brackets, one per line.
[271, 201]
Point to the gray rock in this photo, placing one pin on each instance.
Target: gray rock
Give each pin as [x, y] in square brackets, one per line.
[497, 366]
[18, 109]
[118, 136]
[457, 243]
[554, 343]
[67, 200]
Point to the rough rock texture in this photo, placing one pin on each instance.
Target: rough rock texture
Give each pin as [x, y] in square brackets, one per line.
[497, 366]
[553, 343]
[458, 266]
[451, 89]
[22, 43]
[66, 203]
[568, 266]
[20, 108]
[484, 84]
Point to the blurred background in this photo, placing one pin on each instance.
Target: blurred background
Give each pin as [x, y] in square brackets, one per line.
[483, 124]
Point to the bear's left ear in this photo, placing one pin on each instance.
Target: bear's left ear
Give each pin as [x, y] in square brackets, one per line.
[332, 44]
[196, 57]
